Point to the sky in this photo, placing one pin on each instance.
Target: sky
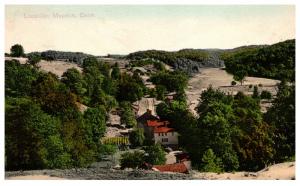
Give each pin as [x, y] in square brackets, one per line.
[121, 29]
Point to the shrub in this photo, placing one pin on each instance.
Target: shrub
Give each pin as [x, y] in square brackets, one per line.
[260, 85]
[155, 155]
[132, 159]
[250, 86]
[107, 149]
[233, 83]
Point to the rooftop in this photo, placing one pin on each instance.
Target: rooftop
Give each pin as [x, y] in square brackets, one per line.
[163, 129]
[177, 167]
[156, 123]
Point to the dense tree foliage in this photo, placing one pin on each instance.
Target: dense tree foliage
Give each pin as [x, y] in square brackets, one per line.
[131, 88]
[95, 119]
[50, 55]
[136, 137]
[230, 133]
[34, 59]
[274, 61]
[32, 137]
[17, 50]
[19, 78]
[44, 126]
[116, 73]
[127, 115]
[173, 81]
[170, 57]
[281, 117]
[74, 81]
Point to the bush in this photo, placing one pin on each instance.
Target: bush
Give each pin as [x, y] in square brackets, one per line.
[250, 86]
[34, 59]
[155, 155]
[233, 83]
[132, 159]
[107, 149]
[265, 95]
[260, 85]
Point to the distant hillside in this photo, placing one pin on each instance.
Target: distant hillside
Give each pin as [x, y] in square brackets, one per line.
[74, 57]
[188, 60]
[275, 61]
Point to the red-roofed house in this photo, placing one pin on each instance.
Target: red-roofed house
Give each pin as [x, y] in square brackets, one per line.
[165, 136]
[177, 167]
[156, 130]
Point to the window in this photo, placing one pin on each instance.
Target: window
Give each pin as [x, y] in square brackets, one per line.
[164, 139]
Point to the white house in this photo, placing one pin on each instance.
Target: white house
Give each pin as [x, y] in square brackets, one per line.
[165, 136]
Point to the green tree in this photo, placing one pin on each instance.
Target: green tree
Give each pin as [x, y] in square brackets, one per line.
[210, 163]
[240, 76]
[155, 154]
[130, 88]
[95, 118]
[19, 79]
[136, 137]
[281, 116]
[28, 130]
[214, 126]
[74, 81]
[116, 73]
[54, 97]
[34, 59]
[252, 138]
[127, 115]
[17, 50]
[173, 81]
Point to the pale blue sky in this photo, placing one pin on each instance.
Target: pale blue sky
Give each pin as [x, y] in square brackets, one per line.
[124, 29]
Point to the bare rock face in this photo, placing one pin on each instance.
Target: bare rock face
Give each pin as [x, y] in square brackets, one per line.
[191, 67]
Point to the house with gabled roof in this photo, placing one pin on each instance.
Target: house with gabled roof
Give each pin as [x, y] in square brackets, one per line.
[156, 130]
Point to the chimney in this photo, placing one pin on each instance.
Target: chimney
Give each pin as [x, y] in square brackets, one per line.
[149, 111]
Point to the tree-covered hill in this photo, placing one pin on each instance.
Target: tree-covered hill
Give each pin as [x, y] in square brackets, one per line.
[273, 61]
[187, 60]
[74, 57]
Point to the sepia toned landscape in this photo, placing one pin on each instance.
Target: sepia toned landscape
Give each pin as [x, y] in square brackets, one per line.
[202, 111]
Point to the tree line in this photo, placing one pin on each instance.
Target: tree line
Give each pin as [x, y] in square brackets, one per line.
[276, 61]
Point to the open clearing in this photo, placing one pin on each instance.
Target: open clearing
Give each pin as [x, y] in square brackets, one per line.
[220, 79]
[281, 171]
[56, 67]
